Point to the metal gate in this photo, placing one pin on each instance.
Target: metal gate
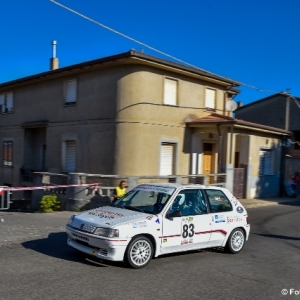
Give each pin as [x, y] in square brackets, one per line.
[238, 182]
[4, 198]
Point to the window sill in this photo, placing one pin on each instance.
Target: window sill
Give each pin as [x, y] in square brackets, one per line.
[174, 105]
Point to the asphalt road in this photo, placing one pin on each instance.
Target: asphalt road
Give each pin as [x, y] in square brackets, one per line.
[36, 263]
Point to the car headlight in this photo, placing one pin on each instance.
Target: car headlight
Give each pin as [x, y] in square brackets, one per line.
[107, 232]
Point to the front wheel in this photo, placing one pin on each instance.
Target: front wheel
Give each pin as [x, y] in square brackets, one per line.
[139, 252]
[235, 241]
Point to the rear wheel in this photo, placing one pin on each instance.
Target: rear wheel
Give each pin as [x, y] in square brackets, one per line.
[139, 252]
[235, 241]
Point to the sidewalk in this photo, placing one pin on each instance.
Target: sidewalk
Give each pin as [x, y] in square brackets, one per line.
[253, 203]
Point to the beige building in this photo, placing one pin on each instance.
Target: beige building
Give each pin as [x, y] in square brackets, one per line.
[127, 114]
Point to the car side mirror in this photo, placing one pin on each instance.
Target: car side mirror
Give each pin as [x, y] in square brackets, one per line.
[174, 214]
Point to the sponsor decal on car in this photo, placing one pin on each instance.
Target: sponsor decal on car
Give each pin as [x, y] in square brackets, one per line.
[157, 221]
[149, 218]
[187, 231]
[105, 214]
[219, 219]
[239, 209]
[139, 224]
[234, 219]
[157, 189]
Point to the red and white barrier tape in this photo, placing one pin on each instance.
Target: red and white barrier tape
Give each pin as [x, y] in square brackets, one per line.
[45, 187]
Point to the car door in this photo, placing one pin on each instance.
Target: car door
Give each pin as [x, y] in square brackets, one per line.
[220, 211]
[192, 229]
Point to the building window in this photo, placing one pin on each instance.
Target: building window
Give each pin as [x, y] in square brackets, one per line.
[210, 98]
[70, 92]
[265, 162]
[170, 91]
[167, 159]
[7, 153]
[7, 103]
[69, 156]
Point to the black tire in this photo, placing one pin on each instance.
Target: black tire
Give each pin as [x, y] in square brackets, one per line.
[236, 241]
[139, 252]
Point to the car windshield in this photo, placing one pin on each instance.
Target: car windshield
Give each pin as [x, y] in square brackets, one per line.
[145, 198]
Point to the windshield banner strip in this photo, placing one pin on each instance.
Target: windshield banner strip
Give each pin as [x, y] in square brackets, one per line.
[157, 189]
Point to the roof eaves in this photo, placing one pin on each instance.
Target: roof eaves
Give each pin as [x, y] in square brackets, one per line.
[128, 54]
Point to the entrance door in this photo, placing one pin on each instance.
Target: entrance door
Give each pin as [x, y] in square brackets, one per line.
[207, 160]
[190, 231]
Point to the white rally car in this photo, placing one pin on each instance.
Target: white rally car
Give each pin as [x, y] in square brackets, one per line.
[156, 219]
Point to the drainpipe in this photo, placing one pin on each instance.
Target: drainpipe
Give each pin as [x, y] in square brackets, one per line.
[224, 102]
[220, 148]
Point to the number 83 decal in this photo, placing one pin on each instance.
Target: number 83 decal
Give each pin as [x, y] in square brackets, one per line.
[188, 230]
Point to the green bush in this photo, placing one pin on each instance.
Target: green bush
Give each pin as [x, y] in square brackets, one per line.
[49, 203]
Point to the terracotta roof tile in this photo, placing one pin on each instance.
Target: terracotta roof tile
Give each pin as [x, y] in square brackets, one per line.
[216, 118]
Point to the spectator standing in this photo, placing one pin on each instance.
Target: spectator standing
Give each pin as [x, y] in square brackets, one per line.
[119, 191]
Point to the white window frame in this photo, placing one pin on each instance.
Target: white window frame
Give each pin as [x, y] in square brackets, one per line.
[266, 161]
[174, 146]
[170, 91]
[7, 102]
[70, 91]
[208, 98]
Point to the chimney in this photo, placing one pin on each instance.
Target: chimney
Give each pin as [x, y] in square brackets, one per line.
[53, 60]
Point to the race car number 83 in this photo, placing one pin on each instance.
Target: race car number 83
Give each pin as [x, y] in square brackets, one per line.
[188, 230]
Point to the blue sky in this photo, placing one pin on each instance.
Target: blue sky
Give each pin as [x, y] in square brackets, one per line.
[254, 42]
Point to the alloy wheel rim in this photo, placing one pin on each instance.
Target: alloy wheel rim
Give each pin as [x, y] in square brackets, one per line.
[140, 252]
[237, 241]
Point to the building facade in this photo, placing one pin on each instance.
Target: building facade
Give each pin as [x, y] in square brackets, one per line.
[129, 114]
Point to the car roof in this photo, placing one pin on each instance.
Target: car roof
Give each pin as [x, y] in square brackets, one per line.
[178, 185]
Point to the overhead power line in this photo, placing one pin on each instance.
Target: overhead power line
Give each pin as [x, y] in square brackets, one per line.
[152, 48]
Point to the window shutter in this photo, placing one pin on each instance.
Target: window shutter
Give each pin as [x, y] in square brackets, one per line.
[167, 159]
[210, 98]
[9, 102]
[170, 92]
[70, 158]
[265, 162]
[71, 91]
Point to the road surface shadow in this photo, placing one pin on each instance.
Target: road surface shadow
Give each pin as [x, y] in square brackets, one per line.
[276, 236]
[56, 246]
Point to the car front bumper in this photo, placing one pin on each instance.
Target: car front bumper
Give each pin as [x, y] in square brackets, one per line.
[101, 247]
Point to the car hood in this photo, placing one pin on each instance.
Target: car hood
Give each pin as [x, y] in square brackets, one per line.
[108, 216]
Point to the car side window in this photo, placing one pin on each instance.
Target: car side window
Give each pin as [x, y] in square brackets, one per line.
[190, 203]
[218, 201]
